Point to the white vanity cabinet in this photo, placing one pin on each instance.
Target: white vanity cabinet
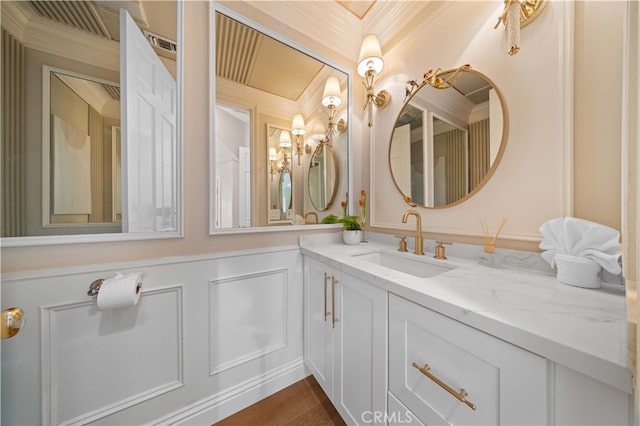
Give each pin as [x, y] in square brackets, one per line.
[345, 340]
[504, 384]
[401, 349]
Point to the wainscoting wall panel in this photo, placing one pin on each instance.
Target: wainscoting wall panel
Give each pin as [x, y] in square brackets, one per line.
[140, 348]
[211, 335]
[248, 318]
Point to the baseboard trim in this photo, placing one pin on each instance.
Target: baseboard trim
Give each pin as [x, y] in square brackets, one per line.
[216, 407]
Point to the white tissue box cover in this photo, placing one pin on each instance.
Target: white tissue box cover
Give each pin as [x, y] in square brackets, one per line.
[578, 271]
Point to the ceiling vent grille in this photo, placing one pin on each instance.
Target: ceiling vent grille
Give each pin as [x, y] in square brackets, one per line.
[113, 91]
[79, 14]
[162, 44]
[236, 47]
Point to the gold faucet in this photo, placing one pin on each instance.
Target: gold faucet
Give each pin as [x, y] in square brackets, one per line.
[418, 249]
[310, 213]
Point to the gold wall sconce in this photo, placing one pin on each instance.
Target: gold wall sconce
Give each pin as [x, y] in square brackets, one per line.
[370, 64]
[331, 100]
[298, 130]
[516, 15]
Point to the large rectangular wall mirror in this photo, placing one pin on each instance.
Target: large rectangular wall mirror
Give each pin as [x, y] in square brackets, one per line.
[261, 155]
[91, 123]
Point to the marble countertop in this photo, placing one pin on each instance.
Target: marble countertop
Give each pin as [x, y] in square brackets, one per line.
[511, 295]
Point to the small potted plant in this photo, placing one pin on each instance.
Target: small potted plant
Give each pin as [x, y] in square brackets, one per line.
[351, 229]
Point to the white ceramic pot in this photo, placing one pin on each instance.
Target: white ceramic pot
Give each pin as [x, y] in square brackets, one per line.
[578, 271]
[351, 237]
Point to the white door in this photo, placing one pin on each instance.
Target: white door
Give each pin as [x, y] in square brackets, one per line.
[149, 153]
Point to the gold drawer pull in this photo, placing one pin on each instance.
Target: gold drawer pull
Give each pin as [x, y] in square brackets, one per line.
[326, 277]
[333, 301]
[458, 395]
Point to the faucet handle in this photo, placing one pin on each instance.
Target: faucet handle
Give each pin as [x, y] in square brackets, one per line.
[403, 242]
[440, 254]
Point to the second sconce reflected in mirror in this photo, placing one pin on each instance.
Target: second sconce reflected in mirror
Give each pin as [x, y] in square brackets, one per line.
[280, 175]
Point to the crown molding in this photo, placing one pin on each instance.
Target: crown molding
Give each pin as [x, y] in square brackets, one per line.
[44, 35]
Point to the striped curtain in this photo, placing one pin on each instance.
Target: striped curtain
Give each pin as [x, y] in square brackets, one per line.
[13, 139]
[478, 152]
[452, 146]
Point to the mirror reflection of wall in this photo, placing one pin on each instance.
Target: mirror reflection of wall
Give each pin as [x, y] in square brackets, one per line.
[445, 143]
[276, 82]
[62, 125]
[233, 167]
[82, 116]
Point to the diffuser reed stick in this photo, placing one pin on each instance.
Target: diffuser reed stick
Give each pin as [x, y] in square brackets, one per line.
[489, 242]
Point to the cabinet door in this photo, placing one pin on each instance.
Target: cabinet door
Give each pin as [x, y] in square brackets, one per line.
[361, 365]
[506, 384]
[318, 333]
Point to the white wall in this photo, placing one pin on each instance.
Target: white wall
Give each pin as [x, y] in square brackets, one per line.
[211, 334]
[563, 151]
[530, 184]
[527, 188]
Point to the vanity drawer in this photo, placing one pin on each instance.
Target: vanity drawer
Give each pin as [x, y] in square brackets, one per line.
[506, 384]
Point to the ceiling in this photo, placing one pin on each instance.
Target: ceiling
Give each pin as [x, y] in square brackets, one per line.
[251, 58]
[101, 17]
[358, 8]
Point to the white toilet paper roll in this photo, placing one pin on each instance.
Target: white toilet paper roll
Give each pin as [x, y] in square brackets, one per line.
[120, 291]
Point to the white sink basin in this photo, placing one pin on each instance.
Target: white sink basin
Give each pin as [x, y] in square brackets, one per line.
[419, 267]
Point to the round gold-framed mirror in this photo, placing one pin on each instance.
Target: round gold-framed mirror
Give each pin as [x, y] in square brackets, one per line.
[448, 138]
[324, 175]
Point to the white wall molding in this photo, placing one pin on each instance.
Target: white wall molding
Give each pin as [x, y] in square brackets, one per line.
[78, 372]
[224, 403]
[113, 324]
[261, 285]
[566, 71]
[43, 34]
[119, 266]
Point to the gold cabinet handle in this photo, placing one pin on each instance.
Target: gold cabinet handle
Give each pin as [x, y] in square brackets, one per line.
[12, 320]
[326, 277]
[333, 302]
[460, 396]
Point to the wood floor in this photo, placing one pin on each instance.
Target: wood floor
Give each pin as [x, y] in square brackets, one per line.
[302, 403]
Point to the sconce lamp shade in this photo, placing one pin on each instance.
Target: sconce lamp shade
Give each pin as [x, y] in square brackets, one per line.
[331, 94]
[319, 132]
[285, 139]
[297, 126]
[273, 155]
[370, 56]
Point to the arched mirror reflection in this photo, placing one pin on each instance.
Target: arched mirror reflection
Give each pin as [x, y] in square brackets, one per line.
[448, 138]
[93, 147]
[280, 86]
[324, 174]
